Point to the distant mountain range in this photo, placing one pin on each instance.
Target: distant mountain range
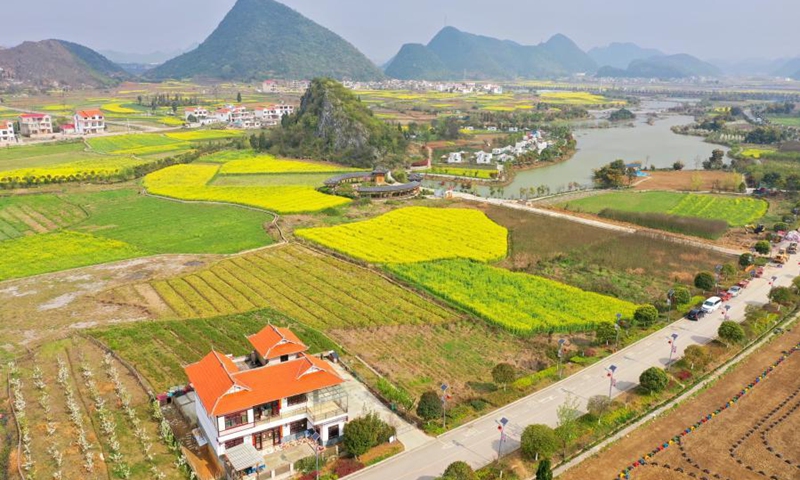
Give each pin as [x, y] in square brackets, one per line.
[59, 63]
[261, 39]
[152, 58]
[453, 54]
[620, 55]
[664, 67]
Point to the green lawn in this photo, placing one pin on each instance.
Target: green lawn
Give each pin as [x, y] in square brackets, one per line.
[786, 121]
[736, 210]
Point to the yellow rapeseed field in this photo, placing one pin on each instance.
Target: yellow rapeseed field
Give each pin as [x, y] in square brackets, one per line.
[117, 108]
[416, 234]
[190, 182]
[263, 164]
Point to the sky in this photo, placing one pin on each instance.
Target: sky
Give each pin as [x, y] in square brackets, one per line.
[710, 29]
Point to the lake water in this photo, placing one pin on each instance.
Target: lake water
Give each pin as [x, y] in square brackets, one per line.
[654, 145]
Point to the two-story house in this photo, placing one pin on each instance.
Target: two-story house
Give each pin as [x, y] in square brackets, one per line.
[199, 113]
[31, 124]
[7, 135]
[277, 394]
[88, 122]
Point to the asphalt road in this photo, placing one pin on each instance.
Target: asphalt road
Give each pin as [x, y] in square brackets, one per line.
[477, 442]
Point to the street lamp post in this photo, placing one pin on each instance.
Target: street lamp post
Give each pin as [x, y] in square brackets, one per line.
[670, 299]
[315, 437]
[444, 405]
[617, 328]
[501, 426]
[717, 269]
[673, 347]
[611, 381]
[560, 355]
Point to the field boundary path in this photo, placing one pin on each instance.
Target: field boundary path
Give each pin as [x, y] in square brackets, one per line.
[477, 442]
[594, 223]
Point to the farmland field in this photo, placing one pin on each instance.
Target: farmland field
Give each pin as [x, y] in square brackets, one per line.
[786, 121]
[753, 438]
[83, 415]
[191, 182]
[266, 164]
[635, 267]
[136, 144]
[577, 98]
[200, 135]
[50, 252]
[416, 234]
[315, 289]
[32, 214]
[41, 155]
[481, 173]
[737, 211]
[93, 167]
[518, 302]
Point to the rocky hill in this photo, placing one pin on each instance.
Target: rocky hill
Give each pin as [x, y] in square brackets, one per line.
[453, 54]
[664, 67]
[620, 55]
[332, 124]
[50, 63]
[261, 39]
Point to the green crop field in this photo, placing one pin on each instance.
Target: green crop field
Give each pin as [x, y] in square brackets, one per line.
[415, 234]
[38, 156]
[32, 214]
[62, 250]
[518, 302]
[318, 290]
[137, 144]
[481, 173]
[159, 350]
[736, 210]
[786, 121]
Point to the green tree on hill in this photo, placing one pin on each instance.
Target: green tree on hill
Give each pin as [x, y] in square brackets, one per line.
[705, 281]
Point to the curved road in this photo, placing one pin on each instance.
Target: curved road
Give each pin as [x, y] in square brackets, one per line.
[477, 442]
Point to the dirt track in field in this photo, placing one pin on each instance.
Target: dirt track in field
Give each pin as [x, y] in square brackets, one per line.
[760, 433]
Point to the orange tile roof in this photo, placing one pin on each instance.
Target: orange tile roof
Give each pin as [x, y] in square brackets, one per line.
[6, 124]
[33, 115]
[272, 342]
[90, 113]
[224, 389]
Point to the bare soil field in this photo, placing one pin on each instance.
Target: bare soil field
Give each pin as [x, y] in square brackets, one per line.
[754, 437]
[698, 180]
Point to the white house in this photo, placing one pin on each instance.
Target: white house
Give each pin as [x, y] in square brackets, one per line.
[223, 115]
[7, 135]
[506, 158]
[88, 122]
[200, 113]
[455, 157]
[270, 116]
[483, 158]
[32, 124]
[276, 395]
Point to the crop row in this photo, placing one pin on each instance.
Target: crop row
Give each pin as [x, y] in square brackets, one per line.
[518, 302]
[317, 290]
[35, 214]
[265, 164]
[99, 169]
[737, 211]
[190, 182]
[416, 234]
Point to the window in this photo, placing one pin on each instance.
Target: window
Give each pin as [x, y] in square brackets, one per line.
[284, 358]
[297, 400]
[298, 427]
[235, 420]
[333, 431]
[233, 443]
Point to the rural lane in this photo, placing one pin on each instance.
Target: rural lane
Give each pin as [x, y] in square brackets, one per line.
[477, 442]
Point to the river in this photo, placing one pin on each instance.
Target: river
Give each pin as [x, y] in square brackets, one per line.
[653, 145]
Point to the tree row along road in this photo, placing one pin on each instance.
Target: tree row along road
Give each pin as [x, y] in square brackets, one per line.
[477, 442]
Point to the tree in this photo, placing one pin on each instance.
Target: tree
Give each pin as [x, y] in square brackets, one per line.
[782, 295]
[730, 333]
[503, 374]
[678, 166]
[605, 333]
[538, 441]
[429, 406]
[366, 432]
[681, 295]
[716, 161]
[459, 471]
[191, 118]
[646, 315]
[696, 356]
[239, 97]
[567, 429]
[598, 405]
[545, 470]
[653, 380]
[705, 281]
[746, 259]
[728, 271]
[780, 227]
[612, 175]
[763, 247]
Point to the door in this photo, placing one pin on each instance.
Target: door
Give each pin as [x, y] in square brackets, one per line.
[258, 441]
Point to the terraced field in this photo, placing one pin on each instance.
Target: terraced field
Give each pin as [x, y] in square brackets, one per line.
[29, 215]
[315, 289]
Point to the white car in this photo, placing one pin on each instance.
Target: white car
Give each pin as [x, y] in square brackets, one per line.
[735, 290]
[712, 304]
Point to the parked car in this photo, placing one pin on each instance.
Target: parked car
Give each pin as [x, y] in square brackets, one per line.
[735, 290]
[743, 283]
[712, 304]
[792, 248]
[695, 314]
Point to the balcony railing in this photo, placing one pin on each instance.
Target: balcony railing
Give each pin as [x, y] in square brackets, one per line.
[316, 413]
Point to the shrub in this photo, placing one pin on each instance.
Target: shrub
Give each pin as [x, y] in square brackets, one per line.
[696, 356]
[646, 315]
[683, 375]
[545, 470]
[696, 227]
[728, 271]
[538, 441]
[782, 295]
[705, 281]
[306, 465]
[780, 227]
[746, 259]
[503, 374]
[763, 247]
[731, 333]
[605, 333]
[346, 466]
[429, 406]
[653, 380]
[366, 432]
[681, 295]
[459, 471]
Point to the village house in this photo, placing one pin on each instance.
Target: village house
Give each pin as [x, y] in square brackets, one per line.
[89, 122]
[33, 124]
[199, 113]
[276, 395]
[455, 157]
[271, 116]
[223, 115]
[483, 158]
[68, 129]
[7, 135]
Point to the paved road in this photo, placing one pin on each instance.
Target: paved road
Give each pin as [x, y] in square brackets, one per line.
[477, 443]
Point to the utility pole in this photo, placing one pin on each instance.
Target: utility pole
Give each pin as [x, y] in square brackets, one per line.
[501, 426]
[444, 406]
[561, 343]
[611, 381]
[617, 328]
[673, 349]
[315, 437]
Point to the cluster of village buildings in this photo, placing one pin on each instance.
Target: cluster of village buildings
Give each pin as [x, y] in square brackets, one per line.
[299, 86]
[84, 122]
[238, 116]
[531, 142]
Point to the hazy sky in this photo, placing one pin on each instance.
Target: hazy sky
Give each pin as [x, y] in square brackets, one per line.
[706, 28]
